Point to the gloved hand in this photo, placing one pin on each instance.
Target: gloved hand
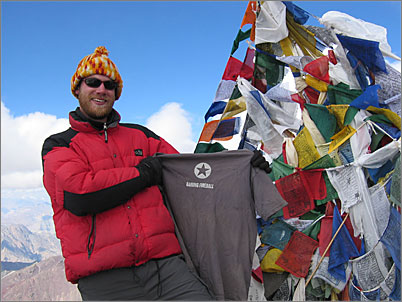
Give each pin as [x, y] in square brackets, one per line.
[259, 161]
[151, 170]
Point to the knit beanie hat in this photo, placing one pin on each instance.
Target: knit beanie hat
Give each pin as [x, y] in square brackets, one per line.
[97, 63]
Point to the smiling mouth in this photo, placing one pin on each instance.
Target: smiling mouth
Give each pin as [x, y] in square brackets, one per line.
[99, 101]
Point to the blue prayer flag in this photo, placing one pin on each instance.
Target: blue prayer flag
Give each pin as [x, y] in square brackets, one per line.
[214, 109]
[392, 236]
[366, 51]
[342, 248]
[369, 97]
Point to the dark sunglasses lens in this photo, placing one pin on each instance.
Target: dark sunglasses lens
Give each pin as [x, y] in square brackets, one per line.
[110, 85]
[93, 82]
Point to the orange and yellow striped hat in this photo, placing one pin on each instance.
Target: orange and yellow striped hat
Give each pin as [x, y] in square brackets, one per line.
[97, 63]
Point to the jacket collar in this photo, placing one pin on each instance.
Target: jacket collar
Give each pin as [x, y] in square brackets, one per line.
[80, 122]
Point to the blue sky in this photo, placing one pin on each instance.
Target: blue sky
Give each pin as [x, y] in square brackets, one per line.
[166, 52]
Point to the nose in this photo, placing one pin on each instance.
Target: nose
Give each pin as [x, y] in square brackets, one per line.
[101, 88]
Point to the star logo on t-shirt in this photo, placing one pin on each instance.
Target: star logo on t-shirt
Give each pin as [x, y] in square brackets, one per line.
[202, 170]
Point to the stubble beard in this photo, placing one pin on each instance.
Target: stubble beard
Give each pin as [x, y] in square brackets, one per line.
[94, 112]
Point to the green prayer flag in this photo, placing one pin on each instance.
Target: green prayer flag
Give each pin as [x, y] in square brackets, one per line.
[313, 230]
[208, 148]
[375, 140]
[341, 94]
[379, 118]
[323, 162]
[323, 119]
[350, 115]
[240, 37]
[275, 70]
[280, 169]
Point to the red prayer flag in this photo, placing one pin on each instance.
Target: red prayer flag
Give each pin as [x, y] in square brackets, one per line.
[247, 69]
[232, 69]
[318, 68]
[297, 254]
[312, 94]
[325, 235]
[295, 190]
[332, 57]
[316, 183]
[298, 99]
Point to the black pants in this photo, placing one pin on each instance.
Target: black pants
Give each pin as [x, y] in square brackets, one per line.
[158, 279]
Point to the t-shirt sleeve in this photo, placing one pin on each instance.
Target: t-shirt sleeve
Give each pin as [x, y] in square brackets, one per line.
[267, 199]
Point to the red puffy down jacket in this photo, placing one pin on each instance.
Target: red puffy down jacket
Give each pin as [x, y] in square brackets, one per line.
[104, 215]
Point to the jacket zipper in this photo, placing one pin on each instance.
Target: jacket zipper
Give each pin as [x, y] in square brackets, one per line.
[92, 234]
[105, 129]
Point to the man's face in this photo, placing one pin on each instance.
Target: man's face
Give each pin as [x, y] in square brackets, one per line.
[96, 103]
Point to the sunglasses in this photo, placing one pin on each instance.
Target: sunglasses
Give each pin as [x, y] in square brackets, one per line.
[95, 83]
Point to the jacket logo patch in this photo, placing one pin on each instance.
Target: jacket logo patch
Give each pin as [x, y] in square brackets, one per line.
[138, 152]
[202, 170]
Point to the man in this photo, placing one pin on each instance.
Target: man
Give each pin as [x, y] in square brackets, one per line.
[117, 236]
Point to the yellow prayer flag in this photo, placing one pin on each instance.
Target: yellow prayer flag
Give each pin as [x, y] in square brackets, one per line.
[342, 136]
[392, 116]
[268, 262]
[234, 107]
[339, 111]
[305, 148]
[316, 83]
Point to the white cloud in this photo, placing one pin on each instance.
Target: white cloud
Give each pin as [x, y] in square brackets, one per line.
[22, 138]
[173, 123]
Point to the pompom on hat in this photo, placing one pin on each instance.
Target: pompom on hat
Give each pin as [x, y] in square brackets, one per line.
[97, 63]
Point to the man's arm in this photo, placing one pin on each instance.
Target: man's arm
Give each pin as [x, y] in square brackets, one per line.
[71, 184]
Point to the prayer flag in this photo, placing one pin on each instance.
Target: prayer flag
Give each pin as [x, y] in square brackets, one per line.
[342, 136]
[215, 108]
[392, 116]
[249, 17]
[365, 50]
[305, 148]
[208, 147]
[317, 85]
[247, 69]
[339, 111]
[392, 236]
[342, 249]
[341, 94]
[296, 191]
[232, 69]
[240, 37]
[299, 14]
[268, 262]
[234, 107]
[270, 24]
[226, 129]
[224, 90]
[274, 70]
[319, 69]
[369, 97]
[277, 234]
[296, 256]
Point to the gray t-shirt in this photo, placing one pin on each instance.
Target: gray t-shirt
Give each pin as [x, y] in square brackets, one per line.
[214, 198]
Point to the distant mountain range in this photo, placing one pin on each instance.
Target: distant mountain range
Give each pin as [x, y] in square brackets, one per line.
[20, 245]
[42, 281]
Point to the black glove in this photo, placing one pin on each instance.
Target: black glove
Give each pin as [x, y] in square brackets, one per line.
[151, 170]
[259, 161]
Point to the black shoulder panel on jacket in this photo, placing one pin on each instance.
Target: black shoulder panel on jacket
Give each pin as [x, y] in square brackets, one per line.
[145, 130]
[61, 139]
